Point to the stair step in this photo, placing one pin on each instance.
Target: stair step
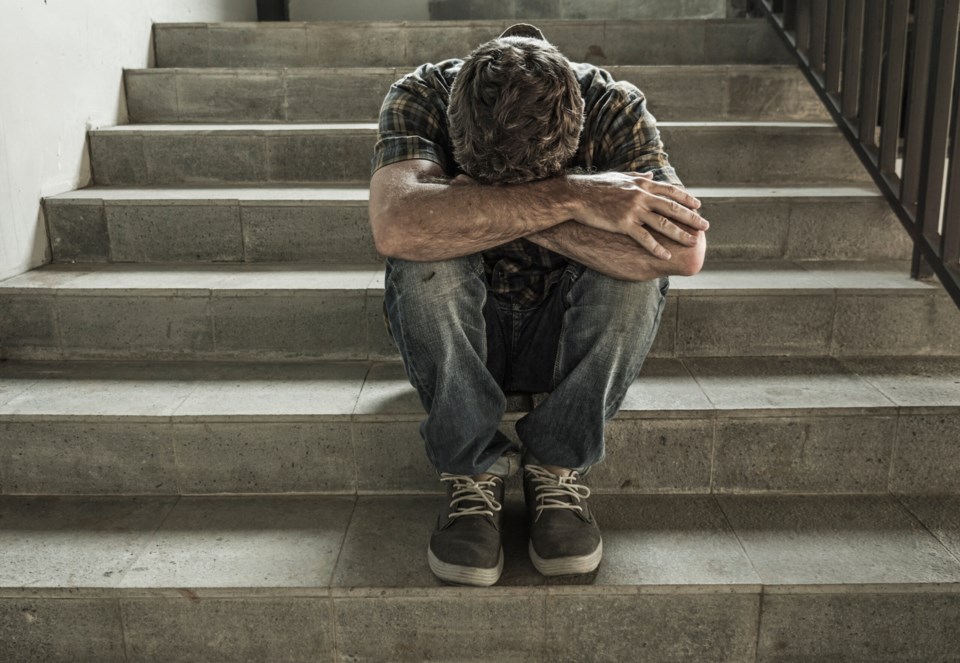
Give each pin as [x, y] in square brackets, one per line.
[704, 153]
[684, 577]
[529, 10]
[330, 224]
[721, 425]
[296, 311]
[724, 92]
[410, 44]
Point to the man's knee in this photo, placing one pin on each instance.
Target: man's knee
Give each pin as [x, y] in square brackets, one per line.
[437, 280]
[430, 300]
[621, 305]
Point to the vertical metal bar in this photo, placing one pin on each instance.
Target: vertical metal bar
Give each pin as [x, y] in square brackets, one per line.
[789, 14]
[893, 85]
[870, 85]
[803, 25]
[916, 105]
[938, 121]
[835, 24]
[920, 268]
[818, 34]
[853, 29]
[951, 210]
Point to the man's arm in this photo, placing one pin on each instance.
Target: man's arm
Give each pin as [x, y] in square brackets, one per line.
[620, 257]
[417, 213]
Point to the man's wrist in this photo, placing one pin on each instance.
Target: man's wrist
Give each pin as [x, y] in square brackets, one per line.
[567, 193]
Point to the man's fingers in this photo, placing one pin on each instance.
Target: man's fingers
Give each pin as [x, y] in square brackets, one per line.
[647, 241]
[669, 228]
[669, 191]
[678, 213]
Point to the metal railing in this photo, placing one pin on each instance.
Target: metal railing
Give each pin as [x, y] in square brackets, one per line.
[887, 71]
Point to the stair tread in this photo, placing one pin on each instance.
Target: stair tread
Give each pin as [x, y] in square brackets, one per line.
[444, 24]
[751, 68]
[179, 278]
[365, 127]
[340, 391]
[361, 193]
[202, 547]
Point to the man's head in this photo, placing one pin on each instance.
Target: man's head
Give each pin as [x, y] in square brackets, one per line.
[515, 110]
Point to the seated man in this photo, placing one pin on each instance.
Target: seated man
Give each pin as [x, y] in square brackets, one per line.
[530, 220]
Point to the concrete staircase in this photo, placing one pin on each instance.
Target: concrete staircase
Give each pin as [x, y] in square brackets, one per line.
[209, 452]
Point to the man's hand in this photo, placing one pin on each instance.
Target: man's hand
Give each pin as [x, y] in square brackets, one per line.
[629, 203]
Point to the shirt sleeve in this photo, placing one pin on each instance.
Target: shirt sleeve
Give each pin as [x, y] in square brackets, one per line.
[629, 140]
[412, 124]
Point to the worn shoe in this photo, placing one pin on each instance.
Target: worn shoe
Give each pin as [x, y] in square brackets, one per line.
[466, 548]
[564, 536]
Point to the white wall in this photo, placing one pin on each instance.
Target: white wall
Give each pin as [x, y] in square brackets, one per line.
[61, 67]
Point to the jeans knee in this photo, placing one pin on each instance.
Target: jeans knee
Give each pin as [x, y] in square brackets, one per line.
[432, 280]
[622, 304]
[430, 300]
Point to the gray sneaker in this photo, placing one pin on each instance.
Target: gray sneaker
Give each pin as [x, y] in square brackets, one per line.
[465, 547]
[564, 537]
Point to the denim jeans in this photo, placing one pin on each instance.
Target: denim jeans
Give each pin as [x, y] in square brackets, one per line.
[463, 347]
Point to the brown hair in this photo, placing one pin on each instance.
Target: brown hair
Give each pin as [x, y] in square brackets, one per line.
[515, 112]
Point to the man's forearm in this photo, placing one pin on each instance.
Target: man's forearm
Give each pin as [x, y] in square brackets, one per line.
[617, 255]
[418, 216]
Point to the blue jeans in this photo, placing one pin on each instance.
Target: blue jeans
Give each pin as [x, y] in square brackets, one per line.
[463, 347]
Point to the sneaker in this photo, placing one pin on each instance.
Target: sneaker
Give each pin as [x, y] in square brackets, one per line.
[465, 547]
[564, 536]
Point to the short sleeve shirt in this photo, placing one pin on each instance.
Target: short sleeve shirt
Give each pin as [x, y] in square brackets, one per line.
[619, 134]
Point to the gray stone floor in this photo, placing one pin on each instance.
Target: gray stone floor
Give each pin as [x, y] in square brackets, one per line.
[133, 569]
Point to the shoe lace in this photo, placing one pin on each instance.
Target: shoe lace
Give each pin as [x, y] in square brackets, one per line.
[472, 497]
[557, 492]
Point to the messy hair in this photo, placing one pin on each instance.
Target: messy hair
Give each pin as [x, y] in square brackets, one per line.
[515, 112]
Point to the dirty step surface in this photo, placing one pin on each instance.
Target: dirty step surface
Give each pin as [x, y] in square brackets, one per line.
[329, 224]
[306, 578]
[721, 425]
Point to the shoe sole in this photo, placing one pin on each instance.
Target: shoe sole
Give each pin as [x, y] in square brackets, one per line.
[465, 575]
[563, 566]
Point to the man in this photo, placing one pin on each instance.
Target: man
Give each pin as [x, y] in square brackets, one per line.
[530, 220]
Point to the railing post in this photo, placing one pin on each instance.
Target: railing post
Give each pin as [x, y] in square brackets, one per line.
[818, 34]
[916, 104]
[939, 100]
[803, 25]
[836, 13]
[789, 14]
[853, 36]
[870, 85]
[890, 118]
[951, 209]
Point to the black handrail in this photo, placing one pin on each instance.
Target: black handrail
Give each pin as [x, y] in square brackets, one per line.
[888, 72]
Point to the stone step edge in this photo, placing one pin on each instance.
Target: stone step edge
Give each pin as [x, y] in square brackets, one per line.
[467, 23]
[870, 378]
[365, 128]
[348, 517]
[325, 194]
[198, 592]
[165, 279]
[400, 70]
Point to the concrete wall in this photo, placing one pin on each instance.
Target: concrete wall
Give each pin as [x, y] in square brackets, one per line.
[359, 10]
[421, 10]
[61, 64]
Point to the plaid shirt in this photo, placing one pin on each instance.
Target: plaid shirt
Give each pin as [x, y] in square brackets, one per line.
[619, 134]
